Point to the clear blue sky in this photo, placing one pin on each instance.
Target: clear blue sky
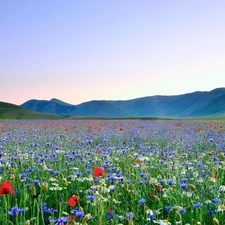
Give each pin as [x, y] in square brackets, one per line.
[81, 50]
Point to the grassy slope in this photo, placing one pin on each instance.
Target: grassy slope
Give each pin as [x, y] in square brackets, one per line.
[11, 111]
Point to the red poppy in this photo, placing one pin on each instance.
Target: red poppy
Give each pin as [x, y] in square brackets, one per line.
[99, 150]
[73, 200]
[6, 188]
[72, 217]
[98, 172]
[214, 176]
[159, 188]
[137, 161]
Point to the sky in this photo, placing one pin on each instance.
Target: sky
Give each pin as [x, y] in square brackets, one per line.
[83, 50]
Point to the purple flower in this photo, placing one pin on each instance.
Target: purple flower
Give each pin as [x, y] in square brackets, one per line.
[110, 214]
[15, 211]
[151, 216]
[61, 221]
[80, 214]
[129, 216]
[141, 174]
[91, 198]
[216, 200]
[182, 211]
[79, 174]
[197, 205]
[184, 180]
[168, 208]
[184, 186]
[37, 182]
[142, 201]
[169, 181]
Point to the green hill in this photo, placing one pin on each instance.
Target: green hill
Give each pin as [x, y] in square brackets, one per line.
[11, 111]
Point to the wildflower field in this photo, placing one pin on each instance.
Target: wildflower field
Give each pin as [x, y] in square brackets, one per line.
[112, 172]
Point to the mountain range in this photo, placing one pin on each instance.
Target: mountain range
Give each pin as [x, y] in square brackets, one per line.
[196, 104]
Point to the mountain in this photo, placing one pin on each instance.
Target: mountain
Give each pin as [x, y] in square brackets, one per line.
[186, 105]
[92, 108]
[54, 106]
[207, 103]
[11, 111]
[57, 101]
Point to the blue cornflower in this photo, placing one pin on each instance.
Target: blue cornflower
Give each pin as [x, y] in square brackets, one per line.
[216, 200]
[49, 210]
[112, 168]
[184, 186]
[142, 201]
[111, 179]
[89, 141]
[37, 182]
[211, 212]
[44, 204]
[151, 216]
[88, 171]
[56, 172]
[112, 188]
[161, 181]
[169, 208]
[169, 181]
[75, 210]
[120, 179]
[141, 174]
[91, 198]
[80, 214]
[97, 180]
[79, 174]
[70, 177]
[197, 205]
[110, 214]
[182, 211]
[184, 180]
[48, 144]
[61, 221]
[129, 216]
[23, 176]
[15, 211]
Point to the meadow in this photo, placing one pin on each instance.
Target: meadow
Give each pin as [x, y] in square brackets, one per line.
[112, 172]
